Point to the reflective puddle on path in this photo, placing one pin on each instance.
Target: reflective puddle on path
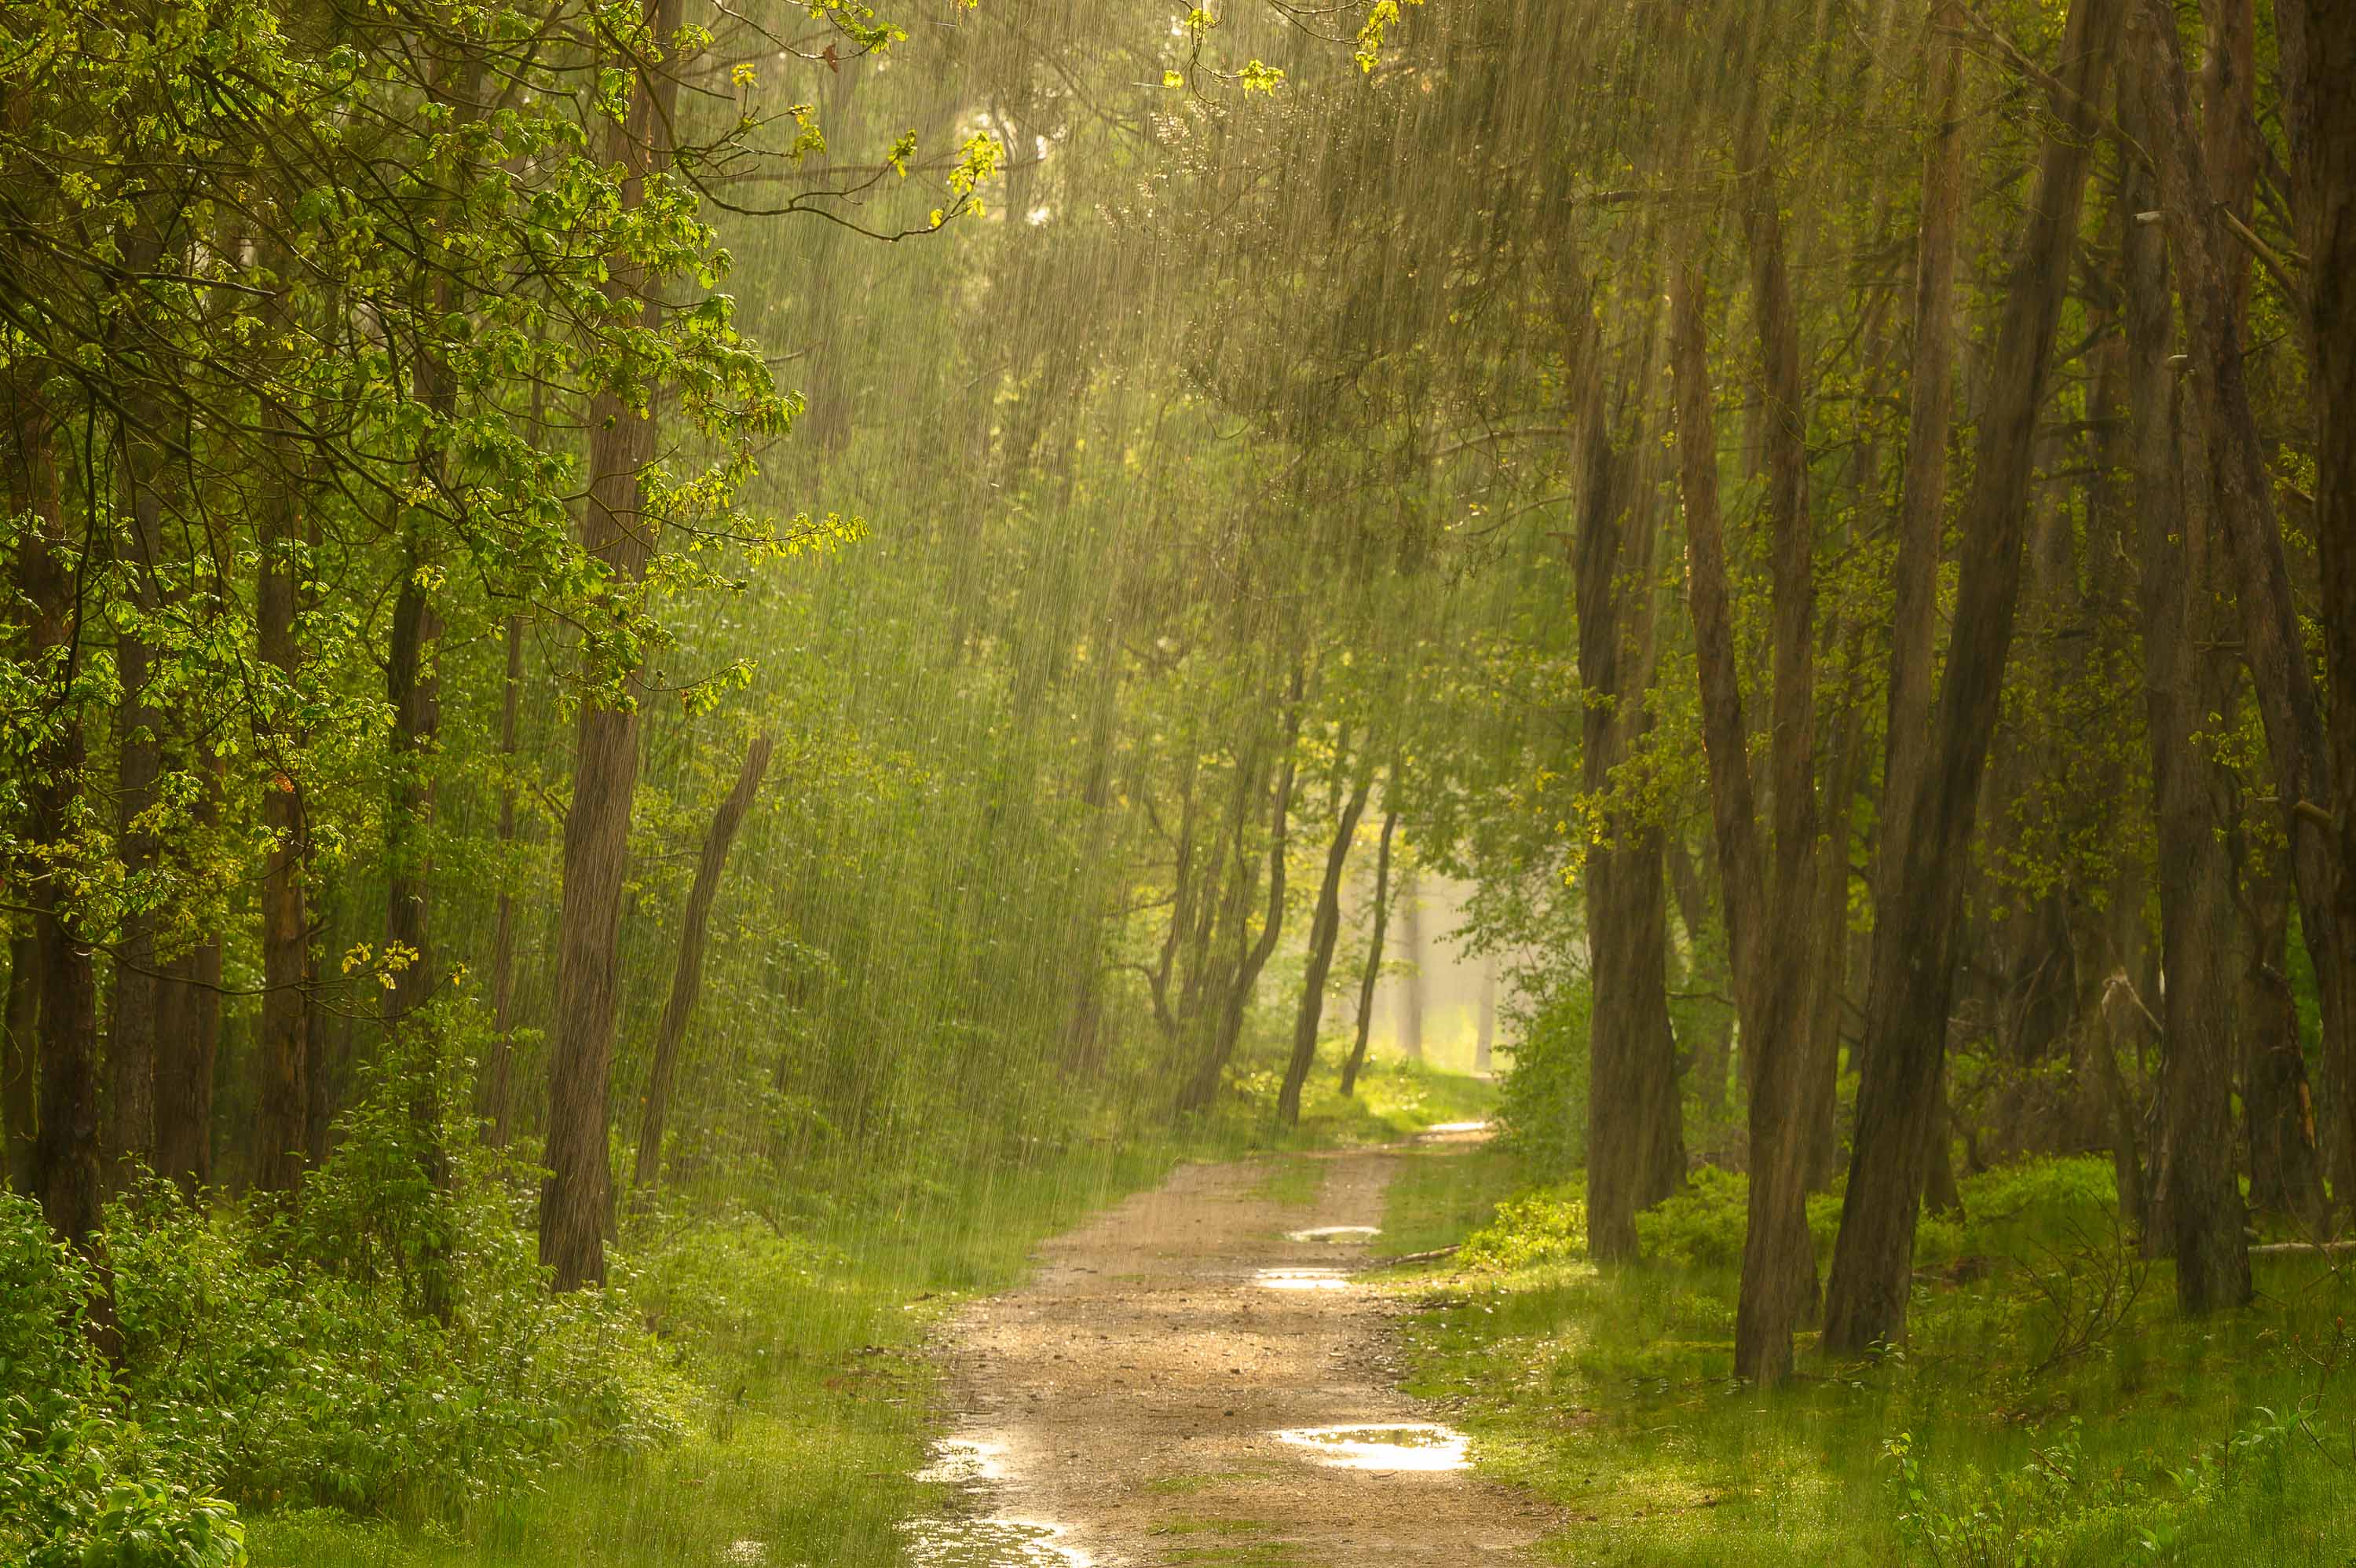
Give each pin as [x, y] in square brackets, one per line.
[992, 1543]
[1301, 1279]
[1403, 1446]
[995, 1541]
[1336, 1233]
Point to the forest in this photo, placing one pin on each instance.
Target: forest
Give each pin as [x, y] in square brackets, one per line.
[677, 675]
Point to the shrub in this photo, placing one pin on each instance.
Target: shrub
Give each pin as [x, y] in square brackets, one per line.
[1545, 1226]
[1542, 1109]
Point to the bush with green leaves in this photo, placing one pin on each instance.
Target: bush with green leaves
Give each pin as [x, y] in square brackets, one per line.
[1547, 1225]
[385, 1346]
[80, 1487]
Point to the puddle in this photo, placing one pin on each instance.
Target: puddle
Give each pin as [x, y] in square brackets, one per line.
[992, 1543]
[962, 1461]
[1407, 1445]
[1336, 1233]
[1442, 1129]
[1301, 1279]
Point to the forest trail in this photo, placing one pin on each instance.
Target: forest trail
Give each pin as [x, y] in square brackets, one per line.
[1155, 1395]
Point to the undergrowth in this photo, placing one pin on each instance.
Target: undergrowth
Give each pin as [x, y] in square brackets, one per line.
[2049, 1407]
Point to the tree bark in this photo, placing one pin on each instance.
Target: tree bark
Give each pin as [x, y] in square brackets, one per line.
[1411, 992]
[1253, 953]
[1912, 967]
[1635, 1133]
[497, 1073]
[20, 1060]
[687, 979]
[1324, 928]
[2319, 60]
[2241, 495]
[188, 1011]
[1914, 572]
[619, 531]
[283, 1058]
[2204, 1205]
[1485, 1036]
[66, 1146]
[2286, 1166]
[1374, 970]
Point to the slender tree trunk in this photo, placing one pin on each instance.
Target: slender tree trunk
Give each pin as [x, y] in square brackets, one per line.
[1770, 961]
[2241, 494]
[1325, 929]
[1779, 1257]
[282, 1126]
[2318, 51]
[1252, 956]
[498, 1072]
[2286, 1167]
[2204, 1205]
[20, 1060]
[188, 1010]
[130, 1132]
[1713, 1052]
[1410, 991]
[1374, 970]
[66, 1146]
[1915, 572]
[619, 530]
[687, 979]
[1484, 1038]
[1911, 969]
[1635, 1134]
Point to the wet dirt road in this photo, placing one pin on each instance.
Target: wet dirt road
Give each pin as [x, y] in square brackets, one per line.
[1192, 1377]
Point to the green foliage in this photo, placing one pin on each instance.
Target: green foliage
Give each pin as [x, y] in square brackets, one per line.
[1547, 1225]
[2213, 1444]
[1543, 1112]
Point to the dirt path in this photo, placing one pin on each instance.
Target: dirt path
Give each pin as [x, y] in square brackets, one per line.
[1129, 1406]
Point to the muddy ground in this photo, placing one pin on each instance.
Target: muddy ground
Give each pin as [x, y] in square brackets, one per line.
[1125, 1406]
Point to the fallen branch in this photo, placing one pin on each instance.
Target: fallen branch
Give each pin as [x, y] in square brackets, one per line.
[2291, 1249]
[1371, 1265]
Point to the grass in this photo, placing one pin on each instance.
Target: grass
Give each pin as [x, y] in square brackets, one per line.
[815, 1344]
[827, 1398]
[2226, 1442]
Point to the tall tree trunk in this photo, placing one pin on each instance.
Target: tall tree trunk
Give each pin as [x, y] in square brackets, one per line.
[619, 530]
[687, 979]
[2319, 49]
[1253, 953]
[497, 1073]
[1779, 1267]
[188, 1011]
[1484, 1037]
[130, 1131]
[66, 1146]
[1410, 991]
[1635, 1133]
[2286, 1167]
[283, 1058]
[1713, 1052]
[1374, 970]
[1325, 929]
[1912, 967]
[2204, 1205]
[2241, 495]
[20, 1060]
[1915, 572]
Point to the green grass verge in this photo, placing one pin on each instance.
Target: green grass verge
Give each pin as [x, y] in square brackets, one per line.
[825, 1396]
[1998, 1439]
